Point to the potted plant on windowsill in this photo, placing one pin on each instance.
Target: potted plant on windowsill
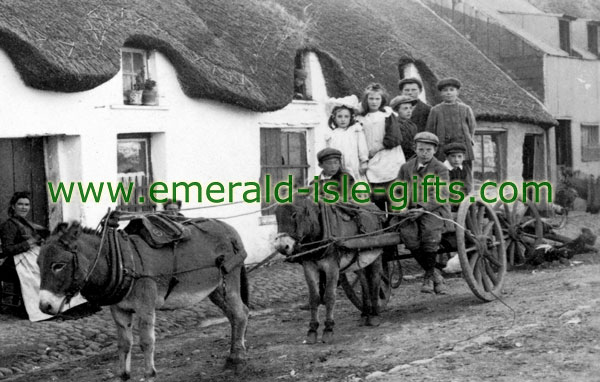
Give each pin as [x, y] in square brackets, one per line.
[135, 95]
[150, 95]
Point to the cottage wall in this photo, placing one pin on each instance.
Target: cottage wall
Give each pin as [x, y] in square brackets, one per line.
[511, 150]
[575, 97]
[191, 140]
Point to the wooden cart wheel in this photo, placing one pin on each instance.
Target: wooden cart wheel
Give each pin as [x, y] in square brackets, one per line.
[481, 249]
[351, 285]
[523, 229]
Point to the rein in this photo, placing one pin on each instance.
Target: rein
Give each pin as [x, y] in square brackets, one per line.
[71, 292]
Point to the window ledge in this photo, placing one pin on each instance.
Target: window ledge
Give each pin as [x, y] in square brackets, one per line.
[267, 220]
[137, 107]
[304, 102]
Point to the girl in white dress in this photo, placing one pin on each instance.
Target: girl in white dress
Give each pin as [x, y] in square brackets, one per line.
[385, 155]
[348, 136]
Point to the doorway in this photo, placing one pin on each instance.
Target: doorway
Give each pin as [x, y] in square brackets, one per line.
[22, 169]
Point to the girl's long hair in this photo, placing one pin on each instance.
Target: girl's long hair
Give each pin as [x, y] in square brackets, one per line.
[374, 88]
[15, 198]
[331, 122]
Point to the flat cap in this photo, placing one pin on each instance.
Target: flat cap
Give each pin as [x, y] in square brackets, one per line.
[410, 80]
[451, 81]
[328, 153]
[399, 100]
[427, 137]
[455, 147]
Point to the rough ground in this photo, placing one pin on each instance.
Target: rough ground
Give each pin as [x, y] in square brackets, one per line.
[551, 332]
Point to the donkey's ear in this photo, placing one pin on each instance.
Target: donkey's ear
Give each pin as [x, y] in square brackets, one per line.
[60, 228]
[72, 232]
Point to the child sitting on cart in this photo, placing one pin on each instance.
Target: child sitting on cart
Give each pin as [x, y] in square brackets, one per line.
[455, 156]
[422, 233]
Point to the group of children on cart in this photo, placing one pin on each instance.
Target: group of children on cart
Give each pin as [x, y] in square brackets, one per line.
[404, 139]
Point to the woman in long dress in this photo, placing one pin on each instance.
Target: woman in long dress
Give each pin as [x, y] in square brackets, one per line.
[21, 240]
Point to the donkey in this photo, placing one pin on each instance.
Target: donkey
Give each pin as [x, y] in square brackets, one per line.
[144, 279]
[301, 224]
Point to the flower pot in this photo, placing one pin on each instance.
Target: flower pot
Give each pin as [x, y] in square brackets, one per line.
[135, 97]
[150, 97]
[126, 94]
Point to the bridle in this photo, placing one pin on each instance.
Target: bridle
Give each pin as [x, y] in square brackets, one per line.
[75, 286]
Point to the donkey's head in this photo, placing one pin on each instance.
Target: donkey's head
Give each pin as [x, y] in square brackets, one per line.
[60, 270]
[297, 223]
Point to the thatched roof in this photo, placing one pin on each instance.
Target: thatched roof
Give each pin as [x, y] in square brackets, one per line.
[585, 9]
[242, 51]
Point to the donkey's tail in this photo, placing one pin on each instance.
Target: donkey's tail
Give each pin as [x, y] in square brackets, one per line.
[244, 286]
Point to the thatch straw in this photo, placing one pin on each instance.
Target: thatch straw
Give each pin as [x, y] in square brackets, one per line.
[242, 51]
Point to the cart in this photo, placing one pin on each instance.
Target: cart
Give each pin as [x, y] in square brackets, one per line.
[478, 237]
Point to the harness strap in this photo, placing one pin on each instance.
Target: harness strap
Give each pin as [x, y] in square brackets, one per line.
[174, 280]
[121, 271]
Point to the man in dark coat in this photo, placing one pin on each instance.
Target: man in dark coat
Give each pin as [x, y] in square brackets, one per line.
[412, 87]
[423, 233]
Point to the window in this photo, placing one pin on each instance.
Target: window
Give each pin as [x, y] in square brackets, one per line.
[489, 149]
[139, 85]
[410, 70]
[564, 31]
[301, 78]
[592, 32]
[563, 143]
[134, 166]
[282, 153]
[590, 143]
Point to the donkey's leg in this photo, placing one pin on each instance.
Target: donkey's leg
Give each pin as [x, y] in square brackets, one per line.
[311, 274]
[147, 339]
[332, 270]
[229, 300]
[373, 272]
[366, 297]
[123, 319]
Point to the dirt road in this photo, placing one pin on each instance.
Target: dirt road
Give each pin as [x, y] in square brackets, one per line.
[552, 335]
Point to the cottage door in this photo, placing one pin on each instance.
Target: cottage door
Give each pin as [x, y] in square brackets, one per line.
[22, 169]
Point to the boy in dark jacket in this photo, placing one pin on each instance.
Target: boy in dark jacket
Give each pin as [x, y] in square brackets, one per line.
[412, 87]
[330, 160]
[403, 106]
[455, 156]
[423, 233]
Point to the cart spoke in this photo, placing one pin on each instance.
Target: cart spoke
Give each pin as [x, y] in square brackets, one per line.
[487, 283]
[518, 252]
[480, 216]
[473, 259]
[477, 272]
[488, 228]
[492, 259]
[491, 273]
[511, 251]
[470, 249]
[475, 224]
[507, 213]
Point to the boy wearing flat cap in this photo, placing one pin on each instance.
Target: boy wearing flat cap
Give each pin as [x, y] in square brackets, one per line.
[403, 106]
[330, 160]
[455, 156]
[453, 121]
[422, 234]
[412, 87]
